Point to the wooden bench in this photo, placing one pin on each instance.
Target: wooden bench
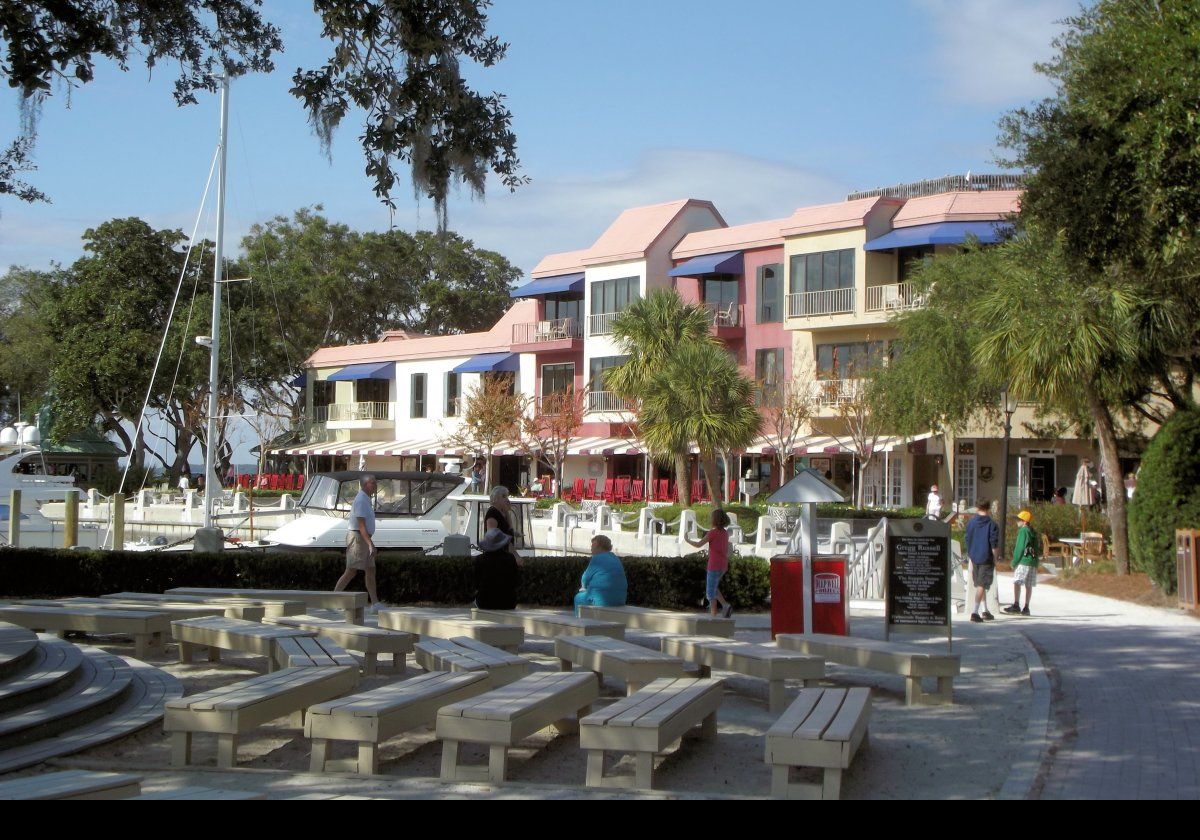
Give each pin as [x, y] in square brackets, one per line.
[431, 624]
[311, 652]
[911, 662]
[244, 608]
[823, 727]
[218, 634]
[233, 710]
[173, 612]
[148, 629]
[352, 604]
[369, 641]
[766, 663]
[375, 716]
[551, 625]
[72, 784]
[201, 794]
[616, 658]
[646, 723]
[463, 654]
[504, 716]
[663, 621]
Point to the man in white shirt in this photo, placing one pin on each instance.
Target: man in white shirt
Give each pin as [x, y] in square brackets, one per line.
[360, 545]
[933, 505]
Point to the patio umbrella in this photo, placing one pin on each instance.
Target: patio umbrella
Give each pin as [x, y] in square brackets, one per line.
[1083, 494]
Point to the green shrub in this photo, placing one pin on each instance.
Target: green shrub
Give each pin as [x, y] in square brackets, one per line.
[1167, 497]
[666, 582]
[1056, 522]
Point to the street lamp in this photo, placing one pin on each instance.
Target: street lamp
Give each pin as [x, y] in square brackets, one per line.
[1008, 404]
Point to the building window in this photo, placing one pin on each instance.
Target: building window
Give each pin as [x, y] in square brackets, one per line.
[823, 272]
[851, 360]
[418, 395]
[453, 391]
[768, 373]
[599, 367]
[910, 260]
[558, 379]
[507, 378]
[324, 394]
[770, 294]
[372, 390]
[558, 307]
[721, 291]
[964, 469]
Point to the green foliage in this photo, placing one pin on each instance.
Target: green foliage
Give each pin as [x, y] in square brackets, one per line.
[27, 346]
[1167, 497]
[1056, 522]
[671, 583]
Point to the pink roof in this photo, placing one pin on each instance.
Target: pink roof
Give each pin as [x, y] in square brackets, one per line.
[568, 262]
[971, 206]
[841, 215]
[496, 340]
[737, 238]
[632, 234]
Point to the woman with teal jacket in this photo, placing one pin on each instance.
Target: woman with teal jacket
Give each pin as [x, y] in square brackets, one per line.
[603, 583]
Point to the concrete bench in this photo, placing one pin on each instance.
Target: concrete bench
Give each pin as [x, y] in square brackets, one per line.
[148, 629]
[662, 621]
[233, 710]
[72, 784]
[911, 662]
[201, 794]
[766, 663]
[431, 624]
[351, 604]
[174, 612]
[375, 716]
[311, 652]
[505, 716]
[823, 727]
[218, 634]
[463, 654]
[616, 658]
[646, 723]
[550, 625]
[248, 609]
[369, 641]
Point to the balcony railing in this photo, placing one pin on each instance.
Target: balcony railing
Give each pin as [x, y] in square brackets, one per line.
[601, 324]
[315, 431]
[893, 297]
[606, 401]
[728, 315]
[558, 329]
[341, 412]
[833, 392]
[320, 413]
[827, 302]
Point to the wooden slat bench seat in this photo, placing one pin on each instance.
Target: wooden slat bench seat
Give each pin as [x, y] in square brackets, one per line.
[463, 654]
[616, 658]
[663, 621]
[238, 708]
[438, 625]
[646, 723]
[550, 625]
[766, 663]
[369, 641]
[505, 716]
[148, 629]
[311, 652]
[823, 727]
[72, 784]
[351, 604]
[245, 609]
[374, 716]
[218, 634]
[909, 661]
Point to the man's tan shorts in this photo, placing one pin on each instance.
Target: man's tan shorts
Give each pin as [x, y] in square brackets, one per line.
[359, 556]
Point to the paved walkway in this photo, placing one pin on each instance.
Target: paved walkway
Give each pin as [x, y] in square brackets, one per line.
[1125, 718]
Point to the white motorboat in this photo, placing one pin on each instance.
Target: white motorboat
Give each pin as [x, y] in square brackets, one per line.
[23, 468]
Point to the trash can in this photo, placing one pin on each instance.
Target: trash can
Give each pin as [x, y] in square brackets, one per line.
[787, 594]
[1187, 569]
[830, 601]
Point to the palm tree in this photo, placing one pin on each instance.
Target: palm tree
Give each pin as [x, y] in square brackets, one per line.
[700, 397]
[649, 332]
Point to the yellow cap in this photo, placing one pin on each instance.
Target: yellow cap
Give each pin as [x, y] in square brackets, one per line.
[1025, 516]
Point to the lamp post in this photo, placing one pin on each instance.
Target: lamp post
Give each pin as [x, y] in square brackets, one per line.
[1009, 406]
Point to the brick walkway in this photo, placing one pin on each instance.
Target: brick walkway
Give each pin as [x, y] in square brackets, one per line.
[1125, 721]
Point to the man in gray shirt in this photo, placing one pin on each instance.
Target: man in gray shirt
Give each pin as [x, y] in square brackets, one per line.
[360, 545]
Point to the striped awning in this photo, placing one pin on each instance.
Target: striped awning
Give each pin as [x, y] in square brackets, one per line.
[397, 448]
[605, 446]
[830, 445]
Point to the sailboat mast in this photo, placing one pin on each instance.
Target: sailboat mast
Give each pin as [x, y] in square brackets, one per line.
[210, 450]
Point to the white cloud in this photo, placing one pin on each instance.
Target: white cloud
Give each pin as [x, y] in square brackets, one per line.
[987, 48]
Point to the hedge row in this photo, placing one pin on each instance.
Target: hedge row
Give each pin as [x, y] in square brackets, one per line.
[665, 582]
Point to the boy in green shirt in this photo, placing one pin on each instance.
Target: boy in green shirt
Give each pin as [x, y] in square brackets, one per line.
[1027, 555]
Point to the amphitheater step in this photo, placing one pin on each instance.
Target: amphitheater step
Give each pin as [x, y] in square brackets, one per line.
[17, 646]
[53, 668]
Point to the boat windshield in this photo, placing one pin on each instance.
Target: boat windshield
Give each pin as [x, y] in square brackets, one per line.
[321, 493]
[411, 497]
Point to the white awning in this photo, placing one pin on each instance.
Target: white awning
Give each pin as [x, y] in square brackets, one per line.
[605, 446]
[828, 444]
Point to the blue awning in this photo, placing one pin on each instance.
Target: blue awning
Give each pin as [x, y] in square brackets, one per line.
[729, 262]
[490, 362]
[373, 370]
[940, 233]
[300, 381]
[551, 285]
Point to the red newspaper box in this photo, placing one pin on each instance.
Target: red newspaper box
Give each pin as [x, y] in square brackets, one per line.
[830, 604]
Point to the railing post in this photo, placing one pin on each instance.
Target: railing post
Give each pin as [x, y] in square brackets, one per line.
[14, 518]
[118, 521]
[71, 520]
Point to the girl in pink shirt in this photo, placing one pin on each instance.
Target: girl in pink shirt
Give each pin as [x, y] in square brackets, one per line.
[717, 540]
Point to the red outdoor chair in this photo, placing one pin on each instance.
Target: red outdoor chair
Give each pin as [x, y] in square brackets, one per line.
[591, 489]
[699, 491]
[576, 492]
[272, 481]
[732, 490]
[609, 490]
[300, 482]
[621, 494]
[638, 491]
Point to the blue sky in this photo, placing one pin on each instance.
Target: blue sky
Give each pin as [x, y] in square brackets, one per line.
[759, 106]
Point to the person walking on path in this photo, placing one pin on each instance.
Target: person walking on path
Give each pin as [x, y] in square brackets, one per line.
[360, 544]
[603, 583]
[1027, 556]
[717, 540]
[983, 548]
[933, 505]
